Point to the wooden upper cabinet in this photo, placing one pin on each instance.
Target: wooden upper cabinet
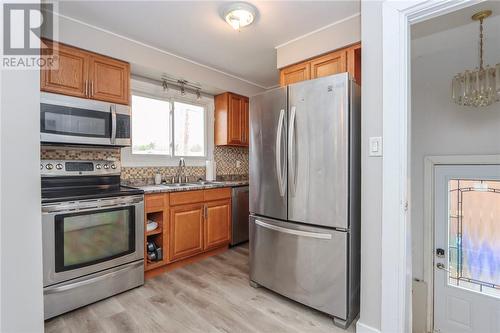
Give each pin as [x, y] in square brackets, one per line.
[87, 75]
[186, 231]
[353, 55]
[217, 224]
[109, 79]
[344, 60]
[235, 120]
[70, 77]
[231, 120]
[295, 73]
[332, 63]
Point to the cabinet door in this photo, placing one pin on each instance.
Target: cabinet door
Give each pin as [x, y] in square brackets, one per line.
[244, 119]
[354, 62]
[295, 73]
[329, 64]
[235, 129]
[186, 231]
[109, 80]
[69, 77]
[217, 224]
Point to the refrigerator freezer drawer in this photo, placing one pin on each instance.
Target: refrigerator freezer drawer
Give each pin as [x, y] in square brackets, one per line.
[306, 264]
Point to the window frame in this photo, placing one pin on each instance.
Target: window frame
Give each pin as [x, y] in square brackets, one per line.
[154, 90]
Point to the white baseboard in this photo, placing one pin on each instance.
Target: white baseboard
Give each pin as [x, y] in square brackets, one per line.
[362, 328]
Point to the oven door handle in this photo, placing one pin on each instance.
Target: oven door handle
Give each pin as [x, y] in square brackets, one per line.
[68, 207]
[73, 285]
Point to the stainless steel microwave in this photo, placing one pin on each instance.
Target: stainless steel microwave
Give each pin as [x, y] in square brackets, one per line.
[73, 120]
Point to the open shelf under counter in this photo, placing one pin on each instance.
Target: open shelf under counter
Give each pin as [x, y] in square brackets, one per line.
[153, 232]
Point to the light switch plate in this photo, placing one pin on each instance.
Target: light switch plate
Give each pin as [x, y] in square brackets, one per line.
[375, 148]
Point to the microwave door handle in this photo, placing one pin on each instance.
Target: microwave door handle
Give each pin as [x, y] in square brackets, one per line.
[113, 124]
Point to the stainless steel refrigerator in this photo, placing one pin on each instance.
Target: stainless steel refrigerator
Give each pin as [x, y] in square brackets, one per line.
[305, 194]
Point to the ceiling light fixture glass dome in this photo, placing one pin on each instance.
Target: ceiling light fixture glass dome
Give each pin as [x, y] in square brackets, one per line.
[239, 15]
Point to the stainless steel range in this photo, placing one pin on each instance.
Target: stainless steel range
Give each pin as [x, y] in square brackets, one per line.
[93, 234]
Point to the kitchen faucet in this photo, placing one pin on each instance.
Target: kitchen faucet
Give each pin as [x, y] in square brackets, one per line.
[181, 171]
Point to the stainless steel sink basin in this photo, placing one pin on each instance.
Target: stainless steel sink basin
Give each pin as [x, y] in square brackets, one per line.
[198, 183]
[206, 182]
[178, 185]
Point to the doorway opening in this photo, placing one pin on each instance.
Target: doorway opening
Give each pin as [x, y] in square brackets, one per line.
[455, 255]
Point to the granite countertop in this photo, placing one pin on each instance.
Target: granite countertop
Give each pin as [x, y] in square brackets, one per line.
[163, 188]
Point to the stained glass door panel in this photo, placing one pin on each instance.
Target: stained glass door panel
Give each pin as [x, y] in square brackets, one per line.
[474, 235]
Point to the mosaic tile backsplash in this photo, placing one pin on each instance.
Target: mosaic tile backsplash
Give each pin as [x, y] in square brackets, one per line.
[62, 153]
[225, 158]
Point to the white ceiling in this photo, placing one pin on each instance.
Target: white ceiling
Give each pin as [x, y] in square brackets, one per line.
[195, 29]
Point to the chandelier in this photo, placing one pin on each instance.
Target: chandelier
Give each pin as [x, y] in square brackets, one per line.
[479, 87]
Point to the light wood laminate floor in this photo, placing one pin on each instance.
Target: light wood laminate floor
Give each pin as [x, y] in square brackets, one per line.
[212, 295]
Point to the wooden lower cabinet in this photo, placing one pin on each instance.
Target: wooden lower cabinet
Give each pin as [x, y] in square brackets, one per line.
[217, 224]
[186, 231]
[192, 225]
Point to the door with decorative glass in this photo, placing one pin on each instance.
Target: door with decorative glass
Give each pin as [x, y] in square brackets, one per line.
[467, 249]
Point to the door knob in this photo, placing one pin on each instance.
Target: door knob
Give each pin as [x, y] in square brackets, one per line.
[442, 267]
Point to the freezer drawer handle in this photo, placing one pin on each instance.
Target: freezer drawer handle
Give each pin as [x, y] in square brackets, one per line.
[293, 232]
[279, 169]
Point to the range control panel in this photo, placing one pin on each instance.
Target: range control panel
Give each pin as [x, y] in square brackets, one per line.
[79, 168]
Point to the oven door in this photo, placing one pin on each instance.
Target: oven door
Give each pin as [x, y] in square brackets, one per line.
[85, 237]
[65, 119]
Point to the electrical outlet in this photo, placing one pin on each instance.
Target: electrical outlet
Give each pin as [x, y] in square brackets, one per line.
[238, 164]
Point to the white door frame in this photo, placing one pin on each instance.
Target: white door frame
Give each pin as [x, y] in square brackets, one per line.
[430, 163]
[396, 230]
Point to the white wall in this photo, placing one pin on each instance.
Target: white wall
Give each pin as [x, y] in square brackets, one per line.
[439, 127]
[333, 37]
[371, 167]
[146, 60]
[20, 219]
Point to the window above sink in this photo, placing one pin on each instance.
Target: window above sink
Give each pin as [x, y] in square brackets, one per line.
[167, 126]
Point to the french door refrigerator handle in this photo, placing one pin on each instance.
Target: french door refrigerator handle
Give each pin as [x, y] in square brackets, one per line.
[291, 149]
[279, 168]
[293, 231]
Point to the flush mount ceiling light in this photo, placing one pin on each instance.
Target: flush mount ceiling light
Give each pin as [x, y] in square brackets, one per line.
[239, 15]
[479, 87]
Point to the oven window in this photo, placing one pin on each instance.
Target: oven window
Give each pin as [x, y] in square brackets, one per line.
[88, 238]
[73, 121]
